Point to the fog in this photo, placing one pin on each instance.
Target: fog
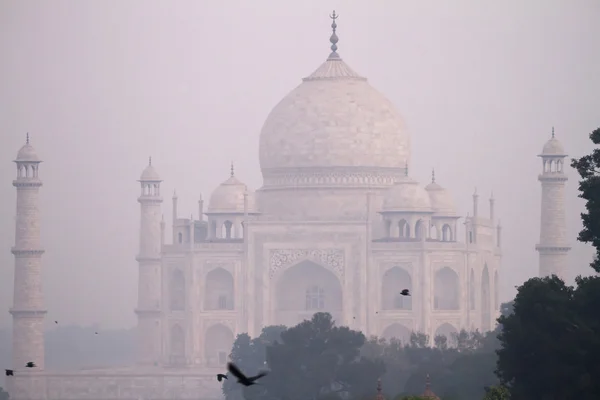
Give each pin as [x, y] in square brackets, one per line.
[101, 86]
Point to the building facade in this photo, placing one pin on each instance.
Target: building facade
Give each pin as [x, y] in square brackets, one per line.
[338, 226]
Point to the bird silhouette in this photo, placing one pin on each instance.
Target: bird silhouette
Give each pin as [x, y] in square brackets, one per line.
[9, 372]
[405, 292]
[220, 377]
[56, 322]
[243, 379]
[30, 364]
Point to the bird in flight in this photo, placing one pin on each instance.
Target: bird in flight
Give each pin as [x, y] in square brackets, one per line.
[9, 372]
[220, 377]
[405, 292]
[56, 322]
[30, 364]
[243, 379]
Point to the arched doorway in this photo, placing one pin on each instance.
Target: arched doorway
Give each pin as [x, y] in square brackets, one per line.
[218, 342]
[449, 332]
[303, 290]
[177, 345]
[395, 280]
[218, 290]
[397, 331]
[446, 290]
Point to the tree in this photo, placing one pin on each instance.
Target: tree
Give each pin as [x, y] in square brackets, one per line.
[317, 359]
[547, 339]
[588, 168]
[496, 393]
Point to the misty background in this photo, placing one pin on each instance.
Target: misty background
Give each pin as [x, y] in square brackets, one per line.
[102, 85]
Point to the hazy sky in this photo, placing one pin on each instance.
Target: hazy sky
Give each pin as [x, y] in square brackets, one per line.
[101, 85]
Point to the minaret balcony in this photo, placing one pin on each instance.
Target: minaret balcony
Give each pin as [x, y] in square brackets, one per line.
[27, 313]
[27, 252]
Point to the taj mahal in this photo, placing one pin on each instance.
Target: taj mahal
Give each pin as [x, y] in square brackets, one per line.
[339, 226]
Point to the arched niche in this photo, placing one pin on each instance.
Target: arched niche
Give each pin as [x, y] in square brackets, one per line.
[395, 280]
[218, 341]
[486, 317]
[433, 233]
[449, 331]
[227, 230]
[304, 289]
[404, 228]
[177, 345]
[420, 229]
[177, 291]
[446, 290]
[397, 331]
[447, 233]
[219, 290]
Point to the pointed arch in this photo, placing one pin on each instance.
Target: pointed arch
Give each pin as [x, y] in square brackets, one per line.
[446, 290]
[449, 331]
[486, 318]
[177, 345]
[218, 342]
[394, 280]
[472, 290]
[219, 290]
[447, 233]
[227, 230]
[177, 291]
[433, 232]
[420, 229]
[404, 229]
[397, 331]
[304, 289]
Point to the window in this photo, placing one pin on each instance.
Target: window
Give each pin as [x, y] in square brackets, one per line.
[222, 304]
[180, 237]
[315, 298]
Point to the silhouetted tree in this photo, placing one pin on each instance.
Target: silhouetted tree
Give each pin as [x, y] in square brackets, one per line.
[588, 168]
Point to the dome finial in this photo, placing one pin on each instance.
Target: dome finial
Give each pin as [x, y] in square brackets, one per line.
[232, 171]
[406, 168]
[433, 175]
[552, 132]
[333, 38]
[150, 161]
[27, 138]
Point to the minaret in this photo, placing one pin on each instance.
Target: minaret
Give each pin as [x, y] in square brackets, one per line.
[28, 299]
[149, 263]
[553, 247]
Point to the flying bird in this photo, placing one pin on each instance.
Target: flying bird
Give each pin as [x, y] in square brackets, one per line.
[30, 364]
[56, 322]
[243, 379]
[220, 377]
[405, 292]
[9, 372]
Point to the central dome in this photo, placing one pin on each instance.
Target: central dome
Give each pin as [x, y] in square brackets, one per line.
[333, 120]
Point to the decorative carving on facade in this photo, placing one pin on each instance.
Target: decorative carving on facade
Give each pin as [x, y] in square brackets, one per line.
[281, 259]
[304, 178]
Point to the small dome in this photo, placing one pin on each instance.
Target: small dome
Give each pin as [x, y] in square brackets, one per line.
[27, 154]
[150, 174]
[228, 197]
[553, 147]
[442, 202]
[407, 195]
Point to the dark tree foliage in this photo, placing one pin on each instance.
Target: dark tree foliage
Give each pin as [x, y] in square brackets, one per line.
[317, 360]
[551, 342]
[497, 393]
[588, 168]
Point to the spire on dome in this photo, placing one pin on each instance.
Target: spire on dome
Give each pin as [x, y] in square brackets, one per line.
[333, 38]
[150, 161]
[27, 138]
[552, 132]
[379, 393]
[232, 171]
[406, 168]
[433, 175]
